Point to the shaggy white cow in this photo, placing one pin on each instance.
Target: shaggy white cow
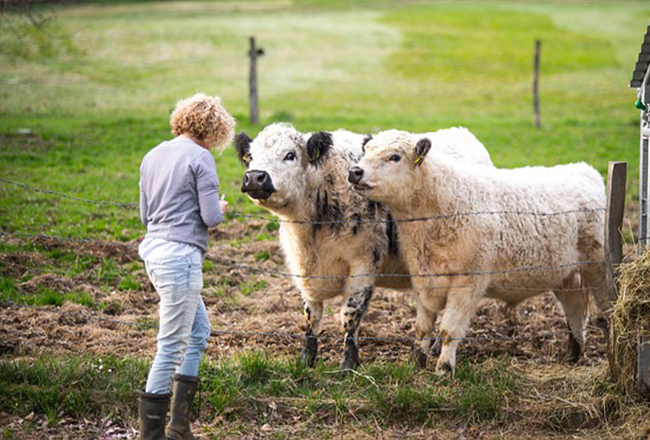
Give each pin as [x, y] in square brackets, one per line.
[448, 257]
[329, 230]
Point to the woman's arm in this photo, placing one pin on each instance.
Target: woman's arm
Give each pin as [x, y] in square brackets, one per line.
[143, 205]
[207, 186]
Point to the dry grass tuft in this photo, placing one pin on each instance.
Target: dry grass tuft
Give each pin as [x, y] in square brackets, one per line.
[630, 319]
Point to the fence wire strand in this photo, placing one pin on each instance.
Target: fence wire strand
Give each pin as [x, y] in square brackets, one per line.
[66, 196]
[358, 221]
[143, 326]
[230, 265]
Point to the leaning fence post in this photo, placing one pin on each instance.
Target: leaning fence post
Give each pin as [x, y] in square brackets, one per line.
[253, 53]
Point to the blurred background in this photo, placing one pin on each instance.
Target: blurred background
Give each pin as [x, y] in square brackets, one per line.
[92, 84]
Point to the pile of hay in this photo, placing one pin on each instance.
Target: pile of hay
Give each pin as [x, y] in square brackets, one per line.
[630, 320]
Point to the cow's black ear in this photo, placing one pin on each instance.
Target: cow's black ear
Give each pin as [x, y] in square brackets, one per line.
[367, 138]
[318, 145]
[421, 149]
[243, 148]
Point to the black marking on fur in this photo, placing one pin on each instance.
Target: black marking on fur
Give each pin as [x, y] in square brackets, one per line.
[318, 146]
[447, 368]
[391, 232]
[372, 209]
[357, 225]
[358, 304]
[376, 256]
[328, 211]
[421, 149]
[367, 138]
[243, 147]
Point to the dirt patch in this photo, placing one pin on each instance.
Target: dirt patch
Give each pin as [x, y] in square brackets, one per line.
[247, 308]
[252, 311]
[16, 265]
[122, 252]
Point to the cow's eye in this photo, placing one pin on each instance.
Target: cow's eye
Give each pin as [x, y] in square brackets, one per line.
[395, 158]
[290, 156]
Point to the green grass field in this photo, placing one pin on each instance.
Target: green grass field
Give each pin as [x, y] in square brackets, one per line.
[95, 89]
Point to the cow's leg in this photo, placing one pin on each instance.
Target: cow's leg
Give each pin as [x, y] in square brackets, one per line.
[430, 295]
[575, 303]
[360, 290]
[425, 322]
[594, 278]
[459, 310]
[511, 318]
[313, 314]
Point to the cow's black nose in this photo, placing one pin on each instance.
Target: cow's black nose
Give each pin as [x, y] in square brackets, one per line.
[257, 184]
[355, 175]
[255, 179]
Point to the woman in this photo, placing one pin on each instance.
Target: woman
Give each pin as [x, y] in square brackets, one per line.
[179, 201]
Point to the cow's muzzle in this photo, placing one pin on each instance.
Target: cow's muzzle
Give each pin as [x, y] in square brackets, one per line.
[355, 175]
[257, 184]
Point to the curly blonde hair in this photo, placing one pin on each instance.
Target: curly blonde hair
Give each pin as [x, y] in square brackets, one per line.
[204, 118]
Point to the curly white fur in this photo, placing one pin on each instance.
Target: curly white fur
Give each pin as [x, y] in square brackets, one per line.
[497, 243]
[351, 235]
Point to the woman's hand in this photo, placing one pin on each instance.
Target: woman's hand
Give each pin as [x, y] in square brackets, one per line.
[224, 206]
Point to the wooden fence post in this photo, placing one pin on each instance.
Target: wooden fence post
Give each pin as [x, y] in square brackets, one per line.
[538, 49]
[253, 53]
[616, 178]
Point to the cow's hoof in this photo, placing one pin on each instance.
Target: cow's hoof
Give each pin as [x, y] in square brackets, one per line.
[574, 351]
[308, 359]
[436, 347]
[445, 369]
[310, 352]
[419, 359]
[602, 323]
[350, 361]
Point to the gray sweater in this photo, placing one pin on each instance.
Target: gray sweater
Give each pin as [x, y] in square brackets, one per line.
[179, 192]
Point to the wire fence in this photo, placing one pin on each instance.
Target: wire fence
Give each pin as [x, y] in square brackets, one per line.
[144, 326]
[230, 265]
[355, 221]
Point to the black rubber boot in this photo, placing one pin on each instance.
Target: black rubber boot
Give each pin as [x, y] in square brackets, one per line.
[183, 391]
[152, 414]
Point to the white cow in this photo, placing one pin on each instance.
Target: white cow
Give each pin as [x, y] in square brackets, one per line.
[332, 236]
[455, 261]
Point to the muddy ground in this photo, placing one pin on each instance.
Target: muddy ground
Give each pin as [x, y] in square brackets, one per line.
[123, 327]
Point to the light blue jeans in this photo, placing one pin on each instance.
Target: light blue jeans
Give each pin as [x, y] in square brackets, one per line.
[184, 327]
